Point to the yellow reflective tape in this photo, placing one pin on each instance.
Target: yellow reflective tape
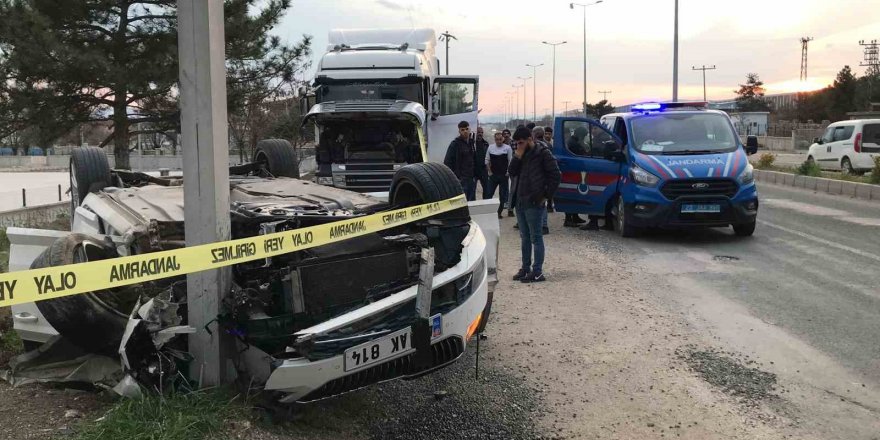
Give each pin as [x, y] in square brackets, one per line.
[422, 145]
[55, 282]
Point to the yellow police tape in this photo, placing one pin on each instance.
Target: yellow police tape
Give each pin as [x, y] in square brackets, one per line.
[55, 282]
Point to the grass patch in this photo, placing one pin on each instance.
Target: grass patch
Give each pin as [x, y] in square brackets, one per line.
[765, 162]
[198, 415]
[875, 173]
[809, 168]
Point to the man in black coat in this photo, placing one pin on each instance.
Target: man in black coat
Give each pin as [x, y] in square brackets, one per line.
[460, 158]
[481, 173]
[538, 177]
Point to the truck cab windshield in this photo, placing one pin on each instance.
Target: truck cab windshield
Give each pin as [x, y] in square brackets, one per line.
[683, 133]
[372, 90]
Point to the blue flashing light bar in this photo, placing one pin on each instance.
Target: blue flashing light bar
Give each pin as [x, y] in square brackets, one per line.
[660, 106]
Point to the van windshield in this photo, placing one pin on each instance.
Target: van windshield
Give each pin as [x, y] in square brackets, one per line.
[683, 133]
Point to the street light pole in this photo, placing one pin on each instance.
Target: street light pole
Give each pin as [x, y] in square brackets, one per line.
[534, 89]
[553, 105]
[584, 6]
[525, 94]
[446, 36]
[675, 57]
[704, 69]
[517, 87]
[565, 103]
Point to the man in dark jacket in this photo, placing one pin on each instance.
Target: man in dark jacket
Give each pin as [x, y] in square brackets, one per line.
[460, 158]
[538, 178]
[481, 174]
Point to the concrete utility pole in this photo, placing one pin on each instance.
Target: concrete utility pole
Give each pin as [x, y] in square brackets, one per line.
[704, 69]
[204, 134]
[604, 94]
[446, 36]
[675, 57]
[553, 105]
[565, 108]
[534, 89]
[805, 42]
[525, 94]
[584, 7]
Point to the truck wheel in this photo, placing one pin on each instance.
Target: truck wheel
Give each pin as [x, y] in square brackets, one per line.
[278, 156]
[93, 321]
[426, 182]
[744, 229]
[89, 171]
[621, 223]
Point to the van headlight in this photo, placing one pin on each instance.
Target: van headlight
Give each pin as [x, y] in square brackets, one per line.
[747, 175]
[642, 177]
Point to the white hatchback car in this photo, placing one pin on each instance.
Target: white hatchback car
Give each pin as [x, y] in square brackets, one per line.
[848, 146]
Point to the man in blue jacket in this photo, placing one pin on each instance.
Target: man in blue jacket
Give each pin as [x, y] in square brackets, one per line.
[538, 177]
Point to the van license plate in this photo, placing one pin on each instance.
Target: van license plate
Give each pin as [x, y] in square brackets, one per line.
[376, 351]
[702, 208]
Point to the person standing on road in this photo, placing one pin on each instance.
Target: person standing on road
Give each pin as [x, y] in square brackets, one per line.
[481, 175]
[460, 159]
[548, 135]
[508, 140]
[538, 135]
[498, 157]
[538, 178]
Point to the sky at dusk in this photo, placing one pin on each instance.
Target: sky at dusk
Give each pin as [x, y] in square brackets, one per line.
[629, 43]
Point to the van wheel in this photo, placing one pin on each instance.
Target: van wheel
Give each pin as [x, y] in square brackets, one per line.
[426, 182]
[810, 160]
[621, 223]
[89, 172]
[278, 157]
[744, 229]
[94, 321]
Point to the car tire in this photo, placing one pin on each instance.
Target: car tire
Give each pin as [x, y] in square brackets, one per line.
[89, 172]
[621, 224]
[278, 156]
[426, 182]
[744, 229]
[94, 321]
[810, 160]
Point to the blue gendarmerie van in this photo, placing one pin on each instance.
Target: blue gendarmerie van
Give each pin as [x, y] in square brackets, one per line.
[660, 165]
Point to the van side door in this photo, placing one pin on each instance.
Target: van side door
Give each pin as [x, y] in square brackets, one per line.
[588, 156]
[842, 144]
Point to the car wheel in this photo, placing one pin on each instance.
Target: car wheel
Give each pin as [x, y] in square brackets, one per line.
[810, 160]
[94, 321]
[278, 157]
[426, 182]
[846, 166]
[621, 223]
[89, 172]
[744, 229]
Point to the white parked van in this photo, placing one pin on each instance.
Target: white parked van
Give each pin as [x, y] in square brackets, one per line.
[848, 146]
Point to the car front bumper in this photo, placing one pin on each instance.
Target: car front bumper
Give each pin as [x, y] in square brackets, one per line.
[304, 380]
[659, 212]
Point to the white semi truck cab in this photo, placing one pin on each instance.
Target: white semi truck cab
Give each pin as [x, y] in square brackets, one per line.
[381, 104]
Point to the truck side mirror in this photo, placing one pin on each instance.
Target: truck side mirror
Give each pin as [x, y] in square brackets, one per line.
[435, 106]
[751, 144]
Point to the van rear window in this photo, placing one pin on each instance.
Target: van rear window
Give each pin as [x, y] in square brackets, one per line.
[871, 134]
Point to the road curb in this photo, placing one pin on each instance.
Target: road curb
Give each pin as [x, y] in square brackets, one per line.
[856, 190]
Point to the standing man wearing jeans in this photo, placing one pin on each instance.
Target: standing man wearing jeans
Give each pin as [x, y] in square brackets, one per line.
[460, 158]
[538, 178]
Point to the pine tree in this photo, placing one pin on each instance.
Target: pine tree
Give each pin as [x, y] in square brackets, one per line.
[750, 96]
[68, 62]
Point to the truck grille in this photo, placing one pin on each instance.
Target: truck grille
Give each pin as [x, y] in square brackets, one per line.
[698, 187]
[443, 352]
[369, 176]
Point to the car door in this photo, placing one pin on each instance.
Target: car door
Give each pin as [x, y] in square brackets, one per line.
[589, 174]
[453, 99]
[822, 151]
[841, 146]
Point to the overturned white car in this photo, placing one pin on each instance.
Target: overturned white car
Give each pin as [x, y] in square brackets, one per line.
[308, 324]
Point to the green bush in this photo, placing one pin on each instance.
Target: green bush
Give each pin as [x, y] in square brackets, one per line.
[875, 173]
[766, 161]
[809, 168]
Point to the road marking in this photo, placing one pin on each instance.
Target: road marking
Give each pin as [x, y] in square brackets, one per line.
[822, 241]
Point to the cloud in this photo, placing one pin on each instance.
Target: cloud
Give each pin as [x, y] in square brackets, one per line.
[391, 5]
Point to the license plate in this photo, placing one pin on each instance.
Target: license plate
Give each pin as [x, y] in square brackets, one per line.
[692, 208]
[378, 350]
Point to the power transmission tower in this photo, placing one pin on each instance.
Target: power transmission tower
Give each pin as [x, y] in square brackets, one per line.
[605, 94]
[704, 69]
[446, 36]
[872, 57]
[805, 41]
